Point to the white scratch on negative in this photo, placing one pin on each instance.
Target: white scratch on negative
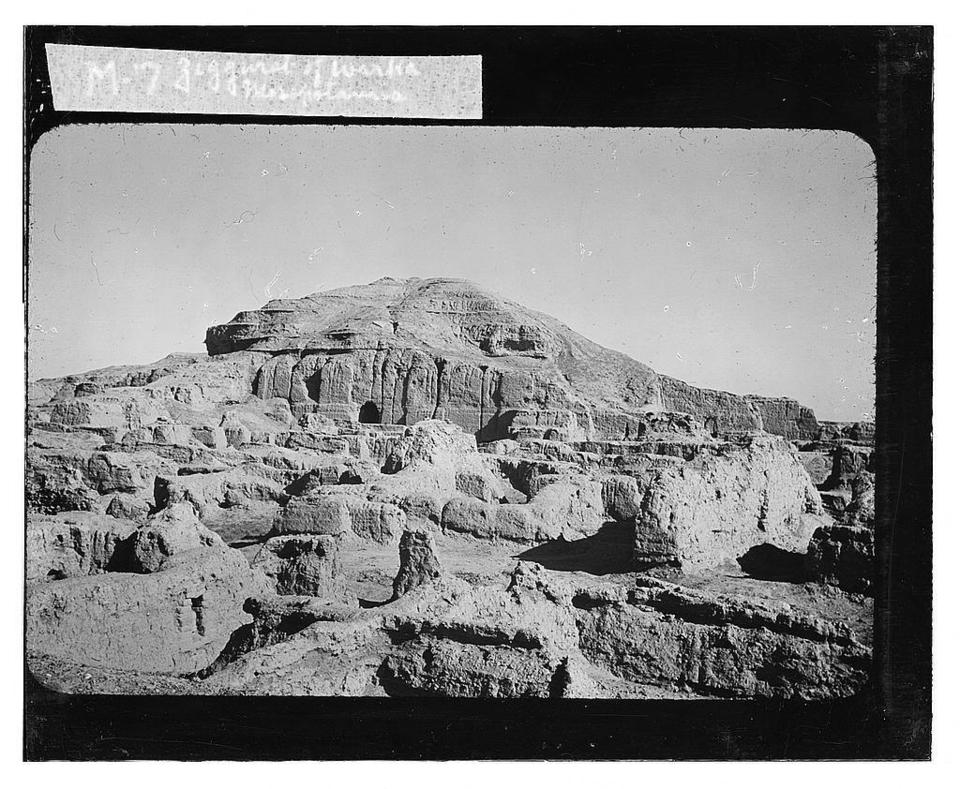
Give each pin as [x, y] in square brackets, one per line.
[243, 217]
[269, 288]
[753, 283]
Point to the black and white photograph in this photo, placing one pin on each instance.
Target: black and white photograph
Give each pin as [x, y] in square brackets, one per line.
[454, 409]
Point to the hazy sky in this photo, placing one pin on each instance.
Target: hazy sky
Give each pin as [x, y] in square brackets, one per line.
[733, 259]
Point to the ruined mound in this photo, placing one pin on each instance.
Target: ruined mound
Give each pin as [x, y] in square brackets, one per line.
[333, 500]
[399, 351]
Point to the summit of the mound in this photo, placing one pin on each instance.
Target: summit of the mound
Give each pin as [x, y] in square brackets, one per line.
[442, 315]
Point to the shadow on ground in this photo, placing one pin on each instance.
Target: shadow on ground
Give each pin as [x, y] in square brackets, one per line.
[247, 540]
[770, 563]
[364, 603]
[609, 551]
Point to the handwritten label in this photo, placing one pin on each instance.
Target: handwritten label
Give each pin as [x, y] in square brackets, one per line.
[116, 79]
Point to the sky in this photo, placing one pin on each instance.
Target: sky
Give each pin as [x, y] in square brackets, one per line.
[741, 260]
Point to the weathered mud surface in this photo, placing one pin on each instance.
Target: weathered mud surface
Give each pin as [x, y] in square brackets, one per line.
[416, 488]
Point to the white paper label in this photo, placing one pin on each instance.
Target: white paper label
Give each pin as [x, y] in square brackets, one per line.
[117, 79]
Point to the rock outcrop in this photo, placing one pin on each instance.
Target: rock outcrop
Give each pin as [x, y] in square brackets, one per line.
[565, 508]
[419, 564]
[303, 565]
[171, 532]
[723, 646]
[723, 411]
[335, 513]
[176, 620]
[73, 544]
[728, 499]
[842, 556]
[540, 636]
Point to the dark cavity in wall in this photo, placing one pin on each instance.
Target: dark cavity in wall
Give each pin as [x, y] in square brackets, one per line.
[369, 413]
[196, 603]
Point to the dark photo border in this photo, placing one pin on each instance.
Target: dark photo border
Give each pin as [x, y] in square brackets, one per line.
[873, 81]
